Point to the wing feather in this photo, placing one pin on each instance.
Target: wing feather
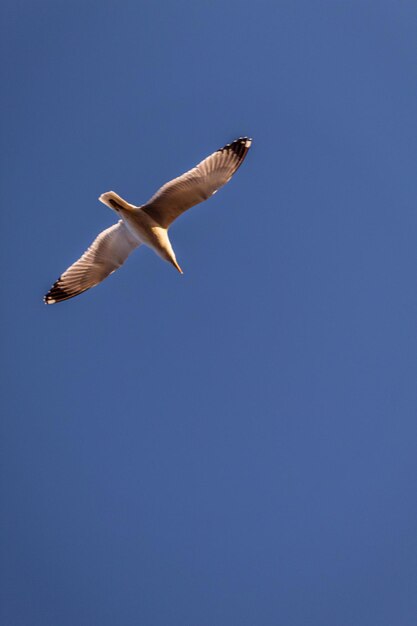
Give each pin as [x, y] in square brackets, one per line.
[198, 184]
[106, 254]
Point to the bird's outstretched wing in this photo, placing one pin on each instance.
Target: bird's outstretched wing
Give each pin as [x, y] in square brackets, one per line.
[106, 254]
[198, 184]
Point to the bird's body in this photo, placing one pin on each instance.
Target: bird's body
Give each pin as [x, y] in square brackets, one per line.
[148, 224]
[148, 232]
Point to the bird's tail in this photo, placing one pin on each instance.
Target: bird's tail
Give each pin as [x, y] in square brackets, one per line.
[115, 202]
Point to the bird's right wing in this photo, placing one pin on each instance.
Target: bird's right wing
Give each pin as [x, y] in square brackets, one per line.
[105, 255]
[197, 184]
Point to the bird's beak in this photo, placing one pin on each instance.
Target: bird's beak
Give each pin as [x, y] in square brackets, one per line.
[175, 264]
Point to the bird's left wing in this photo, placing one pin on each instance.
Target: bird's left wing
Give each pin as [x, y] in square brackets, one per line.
[105, 255]
[198, 184]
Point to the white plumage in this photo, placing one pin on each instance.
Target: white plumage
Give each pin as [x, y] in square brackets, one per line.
[148, 224]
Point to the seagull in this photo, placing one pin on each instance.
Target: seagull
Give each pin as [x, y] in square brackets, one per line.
[148, 224]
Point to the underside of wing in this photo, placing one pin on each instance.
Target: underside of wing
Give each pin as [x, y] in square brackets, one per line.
[105, 255]
[197, 184]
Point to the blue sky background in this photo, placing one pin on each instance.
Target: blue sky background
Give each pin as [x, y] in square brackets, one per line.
[236, 445]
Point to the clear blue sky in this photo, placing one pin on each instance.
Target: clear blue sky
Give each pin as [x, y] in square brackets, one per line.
[234, 446]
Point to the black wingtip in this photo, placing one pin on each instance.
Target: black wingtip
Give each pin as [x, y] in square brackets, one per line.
[239, 146]
[56, 294]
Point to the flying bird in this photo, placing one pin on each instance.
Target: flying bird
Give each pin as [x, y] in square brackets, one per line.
[148, 224]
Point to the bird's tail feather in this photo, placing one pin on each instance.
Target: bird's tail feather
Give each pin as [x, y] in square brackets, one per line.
[115, 202]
